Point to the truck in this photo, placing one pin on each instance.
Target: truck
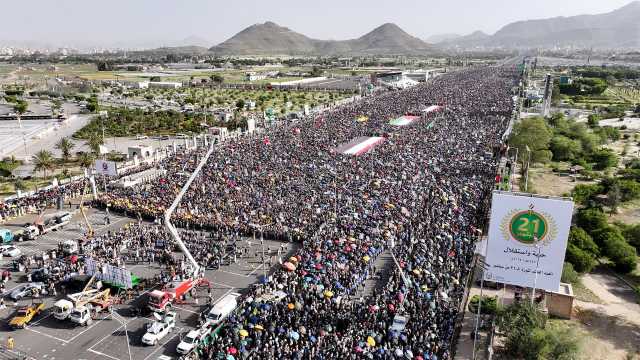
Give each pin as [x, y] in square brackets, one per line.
[45, 224]
[222, 309]
[83, 303]
[160, 300]
[25, 314]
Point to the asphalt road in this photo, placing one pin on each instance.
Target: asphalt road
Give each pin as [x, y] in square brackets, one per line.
[115, 336]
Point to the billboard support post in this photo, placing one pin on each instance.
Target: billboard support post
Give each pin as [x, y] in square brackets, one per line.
[535, 281]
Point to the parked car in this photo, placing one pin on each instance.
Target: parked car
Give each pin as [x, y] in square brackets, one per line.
[189, 342]
[10, 250]
[26, 290]
[159, 328]
[141, 137]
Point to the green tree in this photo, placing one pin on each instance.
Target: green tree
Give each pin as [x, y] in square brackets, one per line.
[604, 159]
[19, 184]
[20, 107]
[623, 255]
[65, 146]
[43, 161]
[591, 220]
[534, 134]
[581, 239]
[85, 160]
[584, 193]
[632, 235]
[94, 141]
[581, 260]
[564, 148]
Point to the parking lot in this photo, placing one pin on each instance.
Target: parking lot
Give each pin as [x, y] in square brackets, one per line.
[117, 334]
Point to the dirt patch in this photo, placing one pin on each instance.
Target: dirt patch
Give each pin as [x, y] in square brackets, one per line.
[546, 182]
[628, 213]
[608, 337]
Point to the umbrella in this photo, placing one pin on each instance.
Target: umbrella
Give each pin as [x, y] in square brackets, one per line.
[328, 293]
[371, 342]
[291, 306]
[366, 258]
[294, 335]
[398, 352]
[259, 327]
[232, 350]
[243, 333]
[289, 266]
[293, 259]
[230, 357]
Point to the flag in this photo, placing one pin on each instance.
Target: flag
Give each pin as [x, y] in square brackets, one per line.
[404, 120]
[359, 146]
[432, 108]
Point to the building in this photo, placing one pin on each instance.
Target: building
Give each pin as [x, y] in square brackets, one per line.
[566, 80]
[138, 84]
[254, 76]
[141, 151]
[164, 85]
[219, 134]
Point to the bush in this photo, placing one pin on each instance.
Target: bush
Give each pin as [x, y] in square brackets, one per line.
[583, 193]
[623, 255]
[601, 235]
[581, 260]
[604, 159]
[489, 304]
[569, 274]
[632, 235]
[591, 220]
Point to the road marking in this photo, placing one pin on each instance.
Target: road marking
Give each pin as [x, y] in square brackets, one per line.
[163, 345]
[40, 320]
[232, 273]
[103, 354]
[187, 310]
[222, 284]
[88, 328]
[47, 335]
[254, 270]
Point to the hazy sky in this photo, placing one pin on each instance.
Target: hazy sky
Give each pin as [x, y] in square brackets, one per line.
[165, 21]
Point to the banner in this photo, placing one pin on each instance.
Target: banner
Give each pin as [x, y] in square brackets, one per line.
[105, 167]
[359, 146]
[527, 240]
[109, 273]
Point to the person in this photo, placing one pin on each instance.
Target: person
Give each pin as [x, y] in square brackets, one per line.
[10, 343]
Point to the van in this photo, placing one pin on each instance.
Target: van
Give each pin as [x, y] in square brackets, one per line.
[222, 309]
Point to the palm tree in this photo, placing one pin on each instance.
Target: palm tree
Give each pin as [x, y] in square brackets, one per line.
[18, 184]
[43, 161]
[85, 160]
[65, 146]
[94, 143]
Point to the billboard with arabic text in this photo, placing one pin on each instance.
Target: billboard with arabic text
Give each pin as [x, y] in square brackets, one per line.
[527, 240]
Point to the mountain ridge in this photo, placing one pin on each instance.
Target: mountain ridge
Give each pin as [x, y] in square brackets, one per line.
[273, 39]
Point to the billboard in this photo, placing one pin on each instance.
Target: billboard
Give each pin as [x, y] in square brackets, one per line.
[109, 273]
[104, 167]
[527, 236]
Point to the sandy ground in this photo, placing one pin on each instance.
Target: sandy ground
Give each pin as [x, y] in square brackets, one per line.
[614, 327]
[545, 182]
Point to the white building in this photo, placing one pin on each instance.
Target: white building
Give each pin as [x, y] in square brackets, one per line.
[253, 76]
[164, 85]
[141, 151]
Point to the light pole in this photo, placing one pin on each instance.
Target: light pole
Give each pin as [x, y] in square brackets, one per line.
[526, 175]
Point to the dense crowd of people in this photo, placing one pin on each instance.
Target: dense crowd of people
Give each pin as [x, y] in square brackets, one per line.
[421, 195]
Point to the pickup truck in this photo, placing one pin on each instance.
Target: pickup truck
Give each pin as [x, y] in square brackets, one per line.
[25, 314]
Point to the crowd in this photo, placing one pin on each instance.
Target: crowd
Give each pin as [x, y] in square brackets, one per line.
[421, 196]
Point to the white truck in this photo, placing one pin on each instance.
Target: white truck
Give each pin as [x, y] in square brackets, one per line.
[46, 224]
[222, 309]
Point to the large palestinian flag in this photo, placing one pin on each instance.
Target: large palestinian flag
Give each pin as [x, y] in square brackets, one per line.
[404, 120]
[359, 146]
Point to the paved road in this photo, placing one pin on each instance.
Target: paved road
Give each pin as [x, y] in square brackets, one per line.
[106, 339]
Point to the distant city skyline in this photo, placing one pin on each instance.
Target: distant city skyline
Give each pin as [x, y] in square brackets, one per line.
[151, 23]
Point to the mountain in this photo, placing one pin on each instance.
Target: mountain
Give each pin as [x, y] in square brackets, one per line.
[273, 39]
[438, 38]
[466, 41]
[616, 29]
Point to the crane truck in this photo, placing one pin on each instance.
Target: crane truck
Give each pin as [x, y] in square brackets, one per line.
[78, 307]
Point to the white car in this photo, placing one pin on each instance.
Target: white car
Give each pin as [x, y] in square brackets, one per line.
[10, 250]
[189, 342]
[141, 137]
[159, 329]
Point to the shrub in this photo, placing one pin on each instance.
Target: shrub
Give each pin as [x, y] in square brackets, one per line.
[569, 274]
[583, 241]
[591, 219]
[632, 235]
[582, 193]
[489, 304]
[623, 255]
[581, 260]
